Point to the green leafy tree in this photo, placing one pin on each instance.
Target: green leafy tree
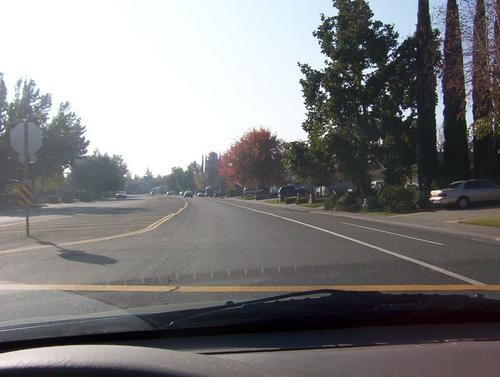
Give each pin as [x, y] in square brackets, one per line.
[175, 181]
[63, 143]
[99, 174]
[3, 104]
[307, 164]
[340, 98]
[212, 168]
[456, 151]
[426, 99]
[395, 109]
[7, 155]
[485, 159]
[28, 104]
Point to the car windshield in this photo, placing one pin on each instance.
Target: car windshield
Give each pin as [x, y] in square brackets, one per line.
[164, 156]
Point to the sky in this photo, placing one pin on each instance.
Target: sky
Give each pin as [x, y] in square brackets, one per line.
[162, 82]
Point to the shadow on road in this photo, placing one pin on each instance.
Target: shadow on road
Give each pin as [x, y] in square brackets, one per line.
[78, 255]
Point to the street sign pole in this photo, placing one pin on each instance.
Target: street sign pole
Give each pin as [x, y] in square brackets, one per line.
[26, 175]
[26, 138]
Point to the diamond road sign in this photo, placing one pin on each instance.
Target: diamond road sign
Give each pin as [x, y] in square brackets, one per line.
[33, 138]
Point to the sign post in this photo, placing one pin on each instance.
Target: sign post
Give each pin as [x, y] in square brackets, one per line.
[26, 140]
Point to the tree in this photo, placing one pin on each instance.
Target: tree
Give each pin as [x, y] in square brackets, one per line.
[3, 103]
[175, 181]
[254, 160]
[483, 138]
[63, 143]
[99, 173]
[212, 168]
[28, 104]
[456, 151]
[7, 155]
[340, 98]
[426, 99]
[396, 112]
[307, 164]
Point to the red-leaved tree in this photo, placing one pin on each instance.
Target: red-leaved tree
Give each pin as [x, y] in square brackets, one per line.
[254, 160]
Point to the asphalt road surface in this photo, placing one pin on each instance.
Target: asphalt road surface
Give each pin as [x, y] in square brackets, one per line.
[168, 251]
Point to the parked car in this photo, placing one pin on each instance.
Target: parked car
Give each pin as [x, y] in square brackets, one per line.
[292, 190]
[209, 191]
[121, 195]
[462, 193]
[188, 194]
[171, 193]
[181, 193]
[219, 194]
[251, 191]
[200, 194]
[377, 185]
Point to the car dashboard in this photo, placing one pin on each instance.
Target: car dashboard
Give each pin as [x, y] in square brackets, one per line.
[409, 350]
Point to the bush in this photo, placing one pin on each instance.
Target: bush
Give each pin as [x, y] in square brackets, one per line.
[52, 199]
[397, 198]
[373, 203]
[330, 202]
[67, 199]
[290, 199]
[85, 196]
[248, 197]
[348, 202]
[345, 202]
[301, 200]
[261, 196]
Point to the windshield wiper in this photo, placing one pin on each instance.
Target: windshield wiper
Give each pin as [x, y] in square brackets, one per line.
[331, 308]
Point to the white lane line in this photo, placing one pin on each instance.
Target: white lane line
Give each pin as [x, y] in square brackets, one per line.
[366, 244]
[394, 234]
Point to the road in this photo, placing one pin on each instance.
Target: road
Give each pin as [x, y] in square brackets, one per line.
[150, 252]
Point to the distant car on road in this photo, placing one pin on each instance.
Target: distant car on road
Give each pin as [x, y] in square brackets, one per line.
[188, 194]
[200, 194]
[121, 195]
[171, 193]
[463, 193]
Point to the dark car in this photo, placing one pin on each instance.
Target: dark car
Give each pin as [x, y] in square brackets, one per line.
[188, 194]
[292, 190]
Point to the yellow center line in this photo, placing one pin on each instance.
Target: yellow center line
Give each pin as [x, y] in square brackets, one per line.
[249, 288]
[149, 228]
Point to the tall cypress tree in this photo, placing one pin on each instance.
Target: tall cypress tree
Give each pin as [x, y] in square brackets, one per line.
[481, 96]
[426, 99]
[496, 87]
[456, 154]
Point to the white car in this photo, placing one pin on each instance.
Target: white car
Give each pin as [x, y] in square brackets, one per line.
[462, 193]
[121, 195]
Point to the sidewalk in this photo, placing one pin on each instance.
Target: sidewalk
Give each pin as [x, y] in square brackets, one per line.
[443, 220]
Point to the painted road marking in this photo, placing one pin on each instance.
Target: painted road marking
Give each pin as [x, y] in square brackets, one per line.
[149, 228]
[394, 234]
[248, 288]
[369, 245]
[37, 220]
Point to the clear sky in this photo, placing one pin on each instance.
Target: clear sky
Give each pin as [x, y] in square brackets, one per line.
[163, 82]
